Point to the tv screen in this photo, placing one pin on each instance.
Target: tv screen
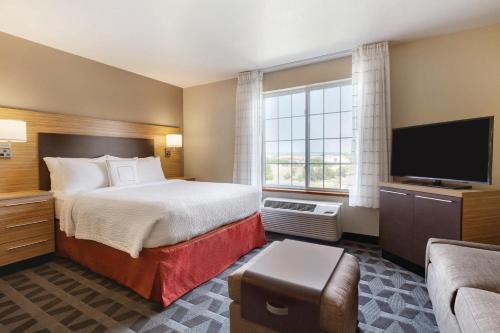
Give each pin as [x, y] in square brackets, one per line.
[457, 150]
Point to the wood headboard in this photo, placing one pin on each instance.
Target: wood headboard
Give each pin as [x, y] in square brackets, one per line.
[69, 145]
[21, 172]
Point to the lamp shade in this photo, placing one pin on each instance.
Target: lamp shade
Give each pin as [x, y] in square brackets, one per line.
[174, 140]
[12, 130]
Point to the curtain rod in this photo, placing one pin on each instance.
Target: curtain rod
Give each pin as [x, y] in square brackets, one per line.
[308, 61]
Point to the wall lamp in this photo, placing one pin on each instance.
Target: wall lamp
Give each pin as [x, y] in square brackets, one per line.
[172, 141]
[11, 131]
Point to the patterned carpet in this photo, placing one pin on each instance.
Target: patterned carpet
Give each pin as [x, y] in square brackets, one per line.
[61, 296]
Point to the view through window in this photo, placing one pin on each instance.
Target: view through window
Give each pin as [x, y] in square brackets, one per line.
[307, 137]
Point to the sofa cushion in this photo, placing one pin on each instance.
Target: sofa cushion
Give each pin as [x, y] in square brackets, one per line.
[442, 298]
[478, 310]
[466, 267]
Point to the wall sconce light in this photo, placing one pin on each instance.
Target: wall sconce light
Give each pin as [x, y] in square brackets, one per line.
[11, 131]
[172, 141]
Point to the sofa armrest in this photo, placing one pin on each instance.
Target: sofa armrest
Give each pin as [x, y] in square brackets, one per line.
[431, 241]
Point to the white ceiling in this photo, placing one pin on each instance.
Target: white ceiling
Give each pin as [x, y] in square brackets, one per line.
[190, 42]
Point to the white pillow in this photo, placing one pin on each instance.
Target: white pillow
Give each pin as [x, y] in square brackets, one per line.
[56, 174]
[111, 157]
[122, 172]
[149, 170]
[80, 175]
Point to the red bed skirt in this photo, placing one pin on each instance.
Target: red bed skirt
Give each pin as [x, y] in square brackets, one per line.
[166, 273]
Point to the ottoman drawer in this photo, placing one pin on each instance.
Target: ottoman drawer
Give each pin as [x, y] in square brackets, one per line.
[339, 301]
[279, 311]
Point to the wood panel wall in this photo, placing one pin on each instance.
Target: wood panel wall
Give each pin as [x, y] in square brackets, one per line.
[21, 171]
[481, 217]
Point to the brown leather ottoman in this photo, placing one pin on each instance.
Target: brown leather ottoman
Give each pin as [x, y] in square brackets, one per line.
[339, 302]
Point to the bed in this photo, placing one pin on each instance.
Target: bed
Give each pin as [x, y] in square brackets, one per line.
[209, 226]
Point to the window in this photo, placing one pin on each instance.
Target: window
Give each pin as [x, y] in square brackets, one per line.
[307, 137]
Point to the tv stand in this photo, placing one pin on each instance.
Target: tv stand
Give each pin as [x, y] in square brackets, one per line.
[438, 183]
[411, 214]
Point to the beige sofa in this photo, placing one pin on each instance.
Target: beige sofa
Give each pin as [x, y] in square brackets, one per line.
[463, 280]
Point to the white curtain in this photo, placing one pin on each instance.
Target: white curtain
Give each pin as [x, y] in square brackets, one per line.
[371, 123]
[248, 137]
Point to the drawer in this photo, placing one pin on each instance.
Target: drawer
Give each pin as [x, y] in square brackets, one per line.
[11, 230]
[19, 210]
[27, 248]
[278, 311]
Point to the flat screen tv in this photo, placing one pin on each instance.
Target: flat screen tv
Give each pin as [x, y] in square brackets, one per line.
[456, 151]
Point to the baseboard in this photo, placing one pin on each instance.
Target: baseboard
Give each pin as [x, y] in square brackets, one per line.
[28, 263]
[275, 236]
[403, 263]
[360, 238]
[346, 236]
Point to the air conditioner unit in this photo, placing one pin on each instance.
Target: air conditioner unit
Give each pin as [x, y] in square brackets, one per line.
[314, 219]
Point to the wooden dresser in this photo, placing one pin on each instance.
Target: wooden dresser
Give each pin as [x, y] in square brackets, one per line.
[27, 225]
[411, 214]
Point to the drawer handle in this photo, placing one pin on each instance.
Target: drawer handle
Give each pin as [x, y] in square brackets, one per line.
[394, 192]
[25, 203]
[435, 199]
[24, 224]
[275, 310]
[28, 244]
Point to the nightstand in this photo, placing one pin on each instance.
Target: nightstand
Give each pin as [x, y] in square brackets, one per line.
[26, 225]
[183, 178]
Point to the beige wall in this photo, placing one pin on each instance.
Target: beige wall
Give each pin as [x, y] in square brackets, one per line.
[335, 69]
[209, 131]
[40, 78]
[449, 77]
[443, 78]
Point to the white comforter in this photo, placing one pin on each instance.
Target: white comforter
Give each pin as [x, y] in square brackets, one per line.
[126, 217]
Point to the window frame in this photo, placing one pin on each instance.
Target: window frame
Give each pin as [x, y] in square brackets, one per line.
[290, 91]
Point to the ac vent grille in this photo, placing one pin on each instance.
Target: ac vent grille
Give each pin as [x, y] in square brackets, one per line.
[297, 206]
[314, 219]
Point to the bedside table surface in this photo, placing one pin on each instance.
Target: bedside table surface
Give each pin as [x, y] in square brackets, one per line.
[24, 194]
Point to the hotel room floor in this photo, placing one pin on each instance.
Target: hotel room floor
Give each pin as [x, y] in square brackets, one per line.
[61, 296]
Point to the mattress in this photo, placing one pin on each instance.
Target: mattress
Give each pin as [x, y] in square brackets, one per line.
[155, 214]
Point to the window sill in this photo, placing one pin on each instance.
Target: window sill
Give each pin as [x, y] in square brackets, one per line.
[287, 190]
